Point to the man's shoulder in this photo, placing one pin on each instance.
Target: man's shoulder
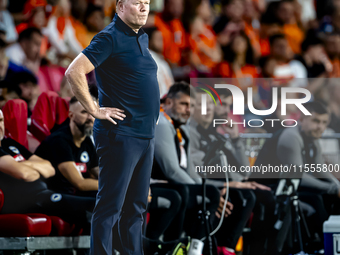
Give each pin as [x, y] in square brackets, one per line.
[164, 125]
[291, 136]
[111, 29]
[61, 135]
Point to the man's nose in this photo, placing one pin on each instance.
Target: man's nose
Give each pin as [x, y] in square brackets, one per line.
[143, 7]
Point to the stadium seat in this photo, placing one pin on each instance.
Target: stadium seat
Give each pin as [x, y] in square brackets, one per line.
[62, 106]
[23, 225]
[50, 110]
[15, 114]
[60, 227]
[50, 78]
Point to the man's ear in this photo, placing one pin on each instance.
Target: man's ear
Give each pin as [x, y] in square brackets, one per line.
[120, 5]
[168, 102]
[70, 114]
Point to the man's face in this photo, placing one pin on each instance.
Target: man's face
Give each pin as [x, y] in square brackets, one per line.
[135, 12]
[285, 12]
[204, 119]
[81, 118]
[314, 125]
[222, 111]
[178, 107]
[2, 126]
[32, 46]
[235, 10]
[27, 90]
[279, 49]
[95, 22]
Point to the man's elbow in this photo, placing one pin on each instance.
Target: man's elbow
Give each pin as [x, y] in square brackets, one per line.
[81, 186]
[28, 176]
[69, 73]
[50, 170]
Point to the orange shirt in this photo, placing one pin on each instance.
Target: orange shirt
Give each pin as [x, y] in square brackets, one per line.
[243, 77]
[174, 38]
[226, 70]
[265, 47]
[80, 32]
[336, 68]
[295, 36]
[253, 35]
[207, 42]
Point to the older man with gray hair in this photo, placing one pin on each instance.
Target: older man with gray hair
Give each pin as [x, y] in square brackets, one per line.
[124, 125]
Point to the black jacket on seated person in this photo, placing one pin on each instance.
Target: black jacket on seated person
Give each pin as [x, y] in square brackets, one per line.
[34, 197]
[58, 148]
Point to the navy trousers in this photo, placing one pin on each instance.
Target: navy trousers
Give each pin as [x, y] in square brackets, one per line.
[124, 178]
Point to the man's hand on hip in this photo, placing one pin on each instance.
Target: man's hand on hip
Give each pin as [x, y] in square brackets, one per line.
[106, 113]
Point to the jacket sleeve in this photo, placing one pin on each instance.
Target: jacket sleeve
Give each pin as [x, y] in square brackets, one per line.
[166, 154]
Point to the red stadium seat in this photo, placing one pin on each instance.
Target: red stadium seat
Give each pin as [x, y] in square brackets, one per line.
[44, 115]
[62, 107]
[50, 78]
[60, 227]
[15, 114]
[50, 110]
[23, 225]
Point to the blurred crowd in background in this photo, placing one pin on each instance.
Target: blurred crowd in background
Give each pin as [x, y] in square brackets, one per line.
[239, 39]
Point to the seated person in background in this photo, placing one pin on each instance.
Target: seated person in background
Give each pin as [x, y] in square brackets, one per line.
[170, 24]
[72, 154]
[205, 52]
[21, 175]
[164, 74]
[24, 85]
[203, 136]
[300, 147]
[26, 52]
[239, 61]
[170, 164]
[94, 21]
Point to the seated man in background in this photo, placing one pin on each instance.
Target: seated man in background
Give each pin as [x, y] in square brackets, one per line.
[26, 52]
[24, 85]
[170, 164]
[300, 147]
[203, 138]
[72, 154]
[21, 175]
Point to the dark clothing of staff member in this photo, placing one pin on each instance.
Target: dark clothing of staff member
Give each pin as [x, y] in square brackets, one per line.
[21, 180]
[72, 154]
[124, 126]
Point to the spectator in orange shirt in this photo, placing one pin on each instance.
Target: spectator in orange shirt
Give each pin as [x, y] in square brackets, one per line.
[252, 26]
[61, 33]
[205, 52]
[332, 46]
[174, 36]
[35, 10]
[230, 23]
[269, 27]
[293, 33]
[94, 21]
[239, 61]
